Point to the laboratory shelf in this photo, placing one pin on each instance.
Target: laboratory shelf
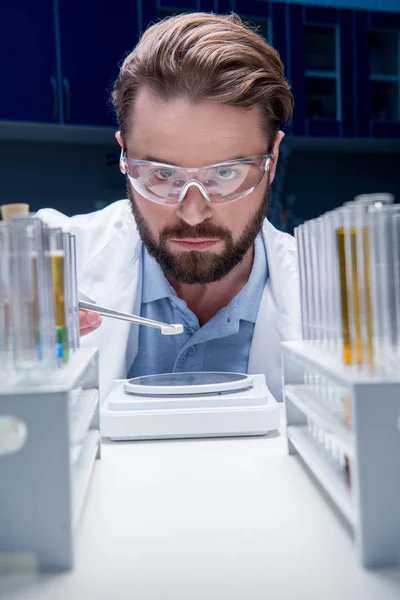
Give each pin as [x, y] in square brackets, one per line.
[69, 378]
[318, 357]
[82, 415]
[328, 472]
[371, 446]
[82, 472]
[305, 397]
[48, 475]
[57, 134]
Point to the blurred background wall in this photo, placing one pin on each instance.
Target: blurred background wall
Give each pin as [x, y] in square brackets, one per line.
[59, 59]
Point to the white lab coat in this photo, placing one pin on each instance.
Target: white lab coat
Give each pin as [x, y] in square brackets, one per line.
[109, 273]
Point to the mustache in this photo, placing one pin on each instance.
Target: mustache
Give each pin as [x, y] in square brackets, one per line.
[201, 230]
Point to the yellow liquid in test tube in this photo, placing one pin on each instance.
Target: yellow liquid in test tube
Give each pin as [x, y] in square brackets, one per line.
[368, 296]
[57, 271]
[353, 349]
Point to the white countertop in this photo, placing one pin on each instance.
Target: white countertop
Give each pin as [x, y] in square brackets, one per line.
[219, 519]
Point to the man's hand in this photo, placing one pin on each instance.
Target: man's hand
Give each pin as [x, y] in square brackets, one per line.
[88, 321]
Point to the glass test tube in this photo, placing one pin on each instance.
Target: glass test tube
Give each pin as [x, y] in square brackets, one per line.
[396, 275]
[323, 279]
[55, 255]
[74, 293]
[358, 235]
[309, 280]
[316, 273]
[383, 275]
[345, 264]
[352, 255]
[316, 318]
[71, 293]
[68, 307]
[309, 244]
[334, 335]
[378, 283]
[304, 296]
[299, 235]
[393, 214]
[5, 341]
[31, 306]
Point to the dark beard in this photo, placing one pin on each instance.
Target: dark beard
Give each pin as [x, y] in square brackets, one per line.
[195, 267]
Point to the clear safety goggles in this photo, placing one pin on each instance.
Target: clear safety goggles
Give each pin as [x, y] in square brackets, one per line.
[219, 183]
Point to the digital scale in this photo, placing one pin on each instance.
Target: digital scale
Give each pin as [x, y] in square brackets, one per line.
[189, 405]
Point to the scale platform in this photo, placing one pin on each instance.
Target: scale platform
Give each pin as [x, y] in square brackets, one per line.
[189, 405]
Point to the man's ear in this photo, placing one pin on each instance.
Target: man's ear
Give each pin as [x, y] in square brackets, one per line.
[119, 139]
[275, 154]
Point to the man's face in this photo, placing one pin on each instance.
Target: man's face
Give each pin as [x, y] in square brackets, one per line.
[196, 241]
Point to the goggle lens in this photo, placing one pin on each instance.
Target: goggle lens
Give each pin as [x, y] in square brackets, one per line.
[221, 183]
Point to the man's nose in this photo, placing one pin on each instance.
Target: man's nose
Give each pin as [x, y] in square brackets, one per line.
[194, 208]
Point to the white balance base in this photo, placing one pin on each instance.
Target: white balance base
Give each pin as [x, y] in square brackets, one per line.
[253, 411]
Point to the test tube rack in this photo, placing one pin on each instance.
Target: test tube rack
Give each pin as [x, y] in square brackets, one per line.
[44, 484]
[371, 502]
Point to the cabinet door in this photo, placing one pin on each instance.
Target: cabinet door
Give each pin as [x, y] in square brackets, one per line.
[96, 35]
[28, 61]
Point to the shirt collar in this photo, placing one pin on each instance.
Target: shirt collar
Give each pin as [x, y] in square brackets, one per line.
[249, 297]
[155, 284]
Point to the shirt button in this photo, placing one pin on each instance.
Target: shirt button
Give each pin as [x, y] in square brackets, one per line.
[191, 350]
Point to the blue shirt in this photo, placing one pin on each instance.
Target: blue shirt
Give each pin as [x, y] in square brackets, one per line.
[221, 344]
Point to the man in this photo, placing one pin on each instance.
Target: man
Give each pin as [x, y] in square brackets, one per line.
[199, 103]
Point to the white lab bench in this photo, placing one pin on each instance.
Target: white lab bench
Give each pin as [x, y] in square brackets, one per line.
[215, 519]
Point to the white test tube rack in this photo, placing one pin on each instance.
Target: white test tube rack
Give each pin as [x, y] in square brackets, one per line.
[371, 503]
[43, 485]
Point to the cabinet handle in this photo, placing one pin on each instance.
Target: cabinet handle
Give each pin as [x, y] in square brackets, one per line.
[55, 98]
[67, 91]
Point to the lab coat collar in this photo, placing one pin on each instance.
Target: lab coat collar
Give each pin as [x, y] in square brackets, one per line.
[103, 277]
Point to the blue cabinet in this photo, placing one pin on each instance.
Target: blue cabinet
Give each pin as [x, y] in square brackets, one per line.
[60, 58]
[28, 70]
[94, 37]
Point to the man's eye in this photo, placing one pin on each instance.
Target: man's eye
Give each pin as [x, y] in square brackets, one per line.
[163, 174]
[226, 173]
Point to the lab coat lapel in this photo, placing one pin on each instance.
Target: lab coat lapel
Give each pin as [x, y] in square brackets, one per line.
[113, 278]
[278, 316]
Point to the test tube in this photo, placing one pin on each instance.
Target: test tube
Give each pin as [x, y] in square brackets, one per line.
[5, 341]
[361, 280]
[31, 306]
[74, 294]
[309, 251]
[351, 238]
[68, 306]
[324, 281]
[393, 214]
[383, 248]
[71, 295]
[316, 279]
[334, 314]
[345, 268]
[396, 275]
[55, 255]
[299, 235]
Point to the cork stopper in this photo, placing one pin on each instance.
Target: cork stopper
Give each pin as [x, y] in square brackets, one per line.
[9, 210]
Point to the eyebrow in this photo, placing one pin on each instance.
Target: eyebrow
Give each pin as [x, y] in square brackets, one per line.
[167, 162]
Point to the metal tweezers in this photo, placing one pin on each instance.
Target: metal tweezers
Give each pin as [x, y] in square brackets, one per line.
[166, 329]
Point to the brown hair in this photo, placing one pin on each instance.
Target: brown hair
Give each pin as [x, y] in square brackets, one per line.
[203, 56]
